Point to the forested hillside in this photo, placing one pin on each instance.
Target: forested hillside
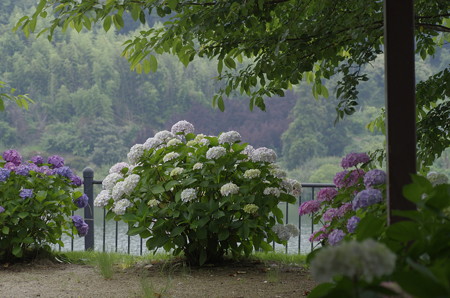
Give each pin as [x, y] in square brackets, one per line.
[91, 108]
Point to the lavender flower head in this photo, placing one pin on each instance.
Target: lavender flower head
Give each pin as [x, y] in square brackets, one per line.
[344, 209]
[4, 174]
[182, 127]
[309, 207]
[45, 170]
[326, 194]
[12, 156]
[335, 237]
[64, 171]
[352, 223]
[56, 161]
[347, 179]
[367, 198]
[80, 225]
[37, 160]
[2, 209]
[10, 166]
[82, 201]
[22, 170]
[26, 193]
[353, 159]
[374, 177]
[330, 214]
[75, 180]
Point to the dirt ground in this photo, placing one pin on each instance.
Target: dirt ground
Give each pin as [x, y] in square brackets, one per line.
[251, 279]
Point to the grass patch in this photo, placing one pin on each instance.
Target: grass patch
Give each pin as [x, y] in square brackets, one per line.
[279, 257]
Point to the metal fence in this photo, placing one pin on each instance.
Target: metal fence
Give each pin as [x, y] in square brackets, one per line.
[91, 240]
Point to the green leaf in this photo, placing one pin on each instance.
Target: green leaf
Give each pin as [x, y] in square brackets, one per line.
[229, 62]
[153, 63]
[156, 242]
[136, 230]
[107, 23]
[177, 231]
[17, 251]
[41, 195]
[371, 226]
[220, 104]
[157, 189]
[220, 66]
[223, 234]
[5, 230]
[202, 258]
[169, 185]
[321, 290]
[403, 231]
[23, 214]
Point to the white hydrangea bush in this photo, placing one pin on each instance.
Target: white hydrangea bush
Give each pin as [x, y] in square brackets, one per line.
[204, 196]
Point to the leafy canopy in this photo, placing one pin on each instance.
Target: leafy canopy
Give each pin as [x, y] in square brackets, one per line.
[262, 47]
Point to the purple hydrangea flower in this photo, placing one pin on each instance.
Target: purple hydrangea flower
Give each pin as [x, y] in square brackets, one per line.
[335, 237]
[80, 225]
[374, 177]
[352, 223]
[56, 161]
[319, 235]
[326, 194]
[344, 209]
[330, 214]
[4, 174]
[83, 230]
[2, 209]
[347, 179]
[37, 160]
[45, 170]
[26, 193]
[64, 171]
[77, 181]
[23, 170]
[12, 156]
[353, 159]
[309, 207]
[77, 220]
[82, 201]
[367, 198]
[10, 166]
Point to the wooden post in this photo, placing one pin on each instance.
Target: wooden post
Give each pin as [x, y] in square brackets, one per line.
[400, 101]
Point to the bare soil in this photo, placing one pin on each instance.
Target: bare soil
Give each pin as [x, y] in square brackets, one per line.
[243, 279]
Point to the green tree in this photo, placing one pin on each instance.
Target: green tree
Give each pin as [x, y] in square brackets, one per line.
[262, 47]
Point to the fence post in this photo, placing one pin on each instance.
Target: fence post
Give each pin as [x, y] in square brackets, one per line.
[88, 178]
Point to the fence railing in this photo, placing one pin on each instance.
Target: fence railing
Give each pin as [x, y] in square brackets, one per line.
[308, 193]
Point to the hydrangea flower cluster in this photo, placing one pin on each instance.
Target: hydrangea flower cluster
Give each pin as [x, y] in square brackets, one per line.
[285, 232]
[357, 260]
[80, 225]
[437, 178]
[189, 184]
[340, 209]
[26, 193]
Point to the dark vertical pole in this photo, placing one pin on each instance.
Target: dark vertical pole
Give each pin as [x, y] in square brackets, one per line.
[88, 181]
[400, 101]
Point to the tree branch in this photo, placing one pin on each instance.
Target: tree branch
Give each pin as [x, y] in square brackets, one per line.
[434, 27]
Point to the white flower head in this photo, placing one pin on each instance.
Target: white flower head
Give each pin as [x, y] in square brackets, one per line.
[252, 173]
[229, 137]
[183, 127]
[191, 143]
[272, 191]
[204, 142]
[118, 190]
[164, 136]
[110, 180]
[437, 178]
[152, 203]
[229, 189]
[121, 206]
[293, 230]
[197, 166]
[363, 260]
[250, 208]
[263, 154]
[282, 232]
[169, 156]
[176, 171]
[117, 168]
[291, 186]
[173, 142]
[248, 150]
[102, 198]
[188, 194]
[135, 153]
[130, 183]
[276, 171]
[199, 137]
[152, 143]
[215, 152]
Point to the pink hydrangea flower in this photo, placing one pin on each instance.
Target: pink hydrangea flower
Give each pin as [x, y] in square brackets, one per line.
[309, 207]
[353, 159]
[326, 194]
